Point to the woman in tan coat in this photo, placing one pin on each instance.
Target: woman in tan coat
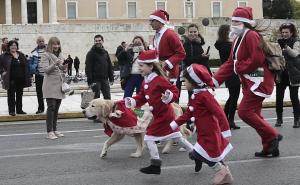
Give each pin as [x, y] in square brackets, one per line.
[52, 64]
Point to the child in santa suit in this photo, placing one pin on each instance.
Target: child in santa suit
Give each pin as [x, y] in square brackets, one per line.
[159, 93]
[211, 123]
[248, 61]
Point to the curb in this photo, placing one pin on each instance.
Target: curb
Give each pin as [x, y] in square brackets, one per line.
[69, 115]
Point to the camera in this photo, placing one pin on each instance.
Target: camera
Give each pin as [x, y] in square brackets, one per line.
[137, 49]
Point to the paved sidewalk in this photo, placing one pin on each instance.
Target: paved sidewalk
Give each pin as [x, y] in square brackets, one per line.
[70, 107]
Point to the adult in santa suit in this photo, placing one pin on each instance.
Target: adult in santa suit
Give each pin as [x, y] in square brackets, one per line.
[211, 123]
[247, 60]
[159, 93]
[168, 45]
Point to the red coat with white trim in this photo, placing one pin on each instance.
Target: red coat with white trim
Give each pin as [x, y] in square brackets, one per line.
[211, 123]
[250, 58]
[171, 49]
[163, 114]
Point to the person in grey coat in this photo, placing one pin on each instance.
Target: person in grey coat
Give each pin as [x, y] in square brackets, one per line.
[52, 64]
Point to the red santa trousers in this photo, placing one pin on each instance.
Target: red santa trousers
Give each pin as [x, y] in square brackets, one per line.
[250, 112]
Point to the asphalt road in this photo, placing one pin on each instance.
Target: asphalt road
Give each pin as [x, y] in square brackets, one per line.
[27, 158]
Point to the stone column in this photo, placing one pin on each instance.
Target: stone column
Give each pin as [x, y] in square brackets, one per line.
[52, 12]
[24, 11]
[39, 9]
[8, 14]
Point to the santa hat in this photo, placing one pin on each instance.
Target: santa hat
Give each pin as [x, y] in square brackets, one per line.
[200, 75]
[161, 16]
[149, 56]
[243, 14]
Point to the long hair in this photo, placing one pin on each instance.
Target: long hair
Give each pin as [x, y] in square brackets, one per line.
[51, 42]
[223, 33]
[142, 39]
[157, 69]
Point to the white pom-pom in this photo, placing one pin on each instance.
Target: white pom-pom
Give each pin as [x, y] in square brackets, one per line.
[193, 96]
[146, 86]
[191, 108]
[151, 108]
[147, 97]
[192, 119]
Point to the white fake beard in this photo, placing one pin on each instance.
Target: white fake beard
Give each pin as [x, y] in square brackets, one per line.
[236, 31]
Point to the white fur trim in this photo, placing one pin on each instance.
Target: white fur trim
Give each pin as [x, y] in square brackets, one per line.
[130, 102]
[226, 133]
[170, 65]
[241, 19]
[216, 83]
[157, 18]
[191, 108]
[257, 81]
[173, 125]
[204, 154]
[194, 76]
[161, 138]
[148, 61]
[169, 97]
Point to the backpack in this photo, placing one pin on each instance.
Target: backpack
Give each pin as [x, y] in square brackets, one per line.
[274, 57]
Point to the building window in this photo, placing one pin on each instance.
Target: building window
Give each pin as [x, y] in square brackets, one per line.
[131, 9]
[71, 9]
[161, 5]
[216, 9]
[189, 9]
[242, 3]
[102, 10]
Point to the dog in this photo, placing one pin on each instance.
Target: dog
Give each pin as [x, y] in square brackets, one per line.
[120, 121]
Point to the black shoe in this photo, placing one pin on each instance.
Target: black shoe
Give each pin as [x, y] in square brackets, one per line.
[198, 163]
[39, 111]
[274, 144]
[151, 170]
[21, 112]
[12, 114]
[296, 124]
[233, 125]
[275, 153]
[278, 123]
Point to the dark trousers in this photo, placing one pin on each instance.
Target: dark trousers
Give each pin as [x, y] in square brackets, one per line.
[52, 112]
[250, 112]
[133, 82]
[199, 157]
[231, 103]
[280, 88]
[70, 71]
[178, 85]
[77, 71]
[39, 92]
[14, 96]
[103, 86]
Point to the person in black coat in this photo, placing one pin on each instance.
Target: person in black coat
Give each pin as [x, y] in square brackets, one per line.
[99, 69]
[291, 49]
[223, 44]
[76, 65]
[15, 75]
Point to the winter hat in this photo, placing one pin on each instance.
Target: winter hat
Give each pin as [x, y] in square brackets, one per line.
[200, 75]
[243, 14]
[161, 16]
[149, 56]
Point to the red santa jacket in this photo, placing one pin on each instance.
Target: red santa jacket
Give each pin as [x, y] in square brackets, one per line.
[211, 123]
[152, 89]
[170, 50]
[249, 64]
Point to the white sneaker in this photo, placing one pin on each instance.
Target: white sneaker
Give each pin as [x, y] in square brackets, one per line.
[222, 176]
[58, 134]
[51, 135]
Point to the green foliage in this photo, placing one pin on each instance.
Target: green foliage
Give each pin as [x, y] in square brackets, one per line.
[296, 9]
[278, 9]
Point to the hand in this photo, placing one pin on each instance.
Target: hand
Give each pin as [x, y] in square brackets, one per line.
[166, 95]
[205, 55]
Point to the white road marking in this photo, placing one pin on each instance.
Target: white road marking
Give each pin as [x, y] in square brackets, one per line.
[43, 133]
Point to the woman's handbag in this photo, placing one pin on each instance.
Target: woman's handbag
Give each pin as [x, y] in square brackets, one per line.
[86, 98]
[65, 87]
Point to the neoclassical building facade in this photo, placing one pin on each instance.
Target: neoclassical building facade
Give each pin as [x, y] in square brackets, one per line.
[114, 11]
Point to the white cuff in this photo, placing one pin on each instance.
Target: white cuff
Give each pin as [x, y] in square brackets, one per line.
[170, 65]
[216, 83]
[226, 133]
[173, 125]
[169, 97]
[130, 102]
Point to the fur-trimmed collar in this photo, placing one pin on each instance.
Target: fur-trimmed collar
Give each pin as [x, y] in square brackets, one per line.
[150, 77]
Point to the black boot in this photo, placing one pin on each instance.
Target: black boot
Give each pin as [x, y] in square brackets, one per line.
[296, 123]
[198, 163]
[233, 125]
[154, 168]
[279, 121]
[275, 153]
[273, 150]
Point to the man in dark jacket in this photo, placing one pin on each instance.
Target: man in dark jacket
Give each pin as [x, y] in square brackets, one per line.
[98, 69]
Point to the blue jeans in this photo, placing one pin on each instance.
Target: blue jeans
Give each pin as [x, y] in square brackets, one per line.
[133, 82]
